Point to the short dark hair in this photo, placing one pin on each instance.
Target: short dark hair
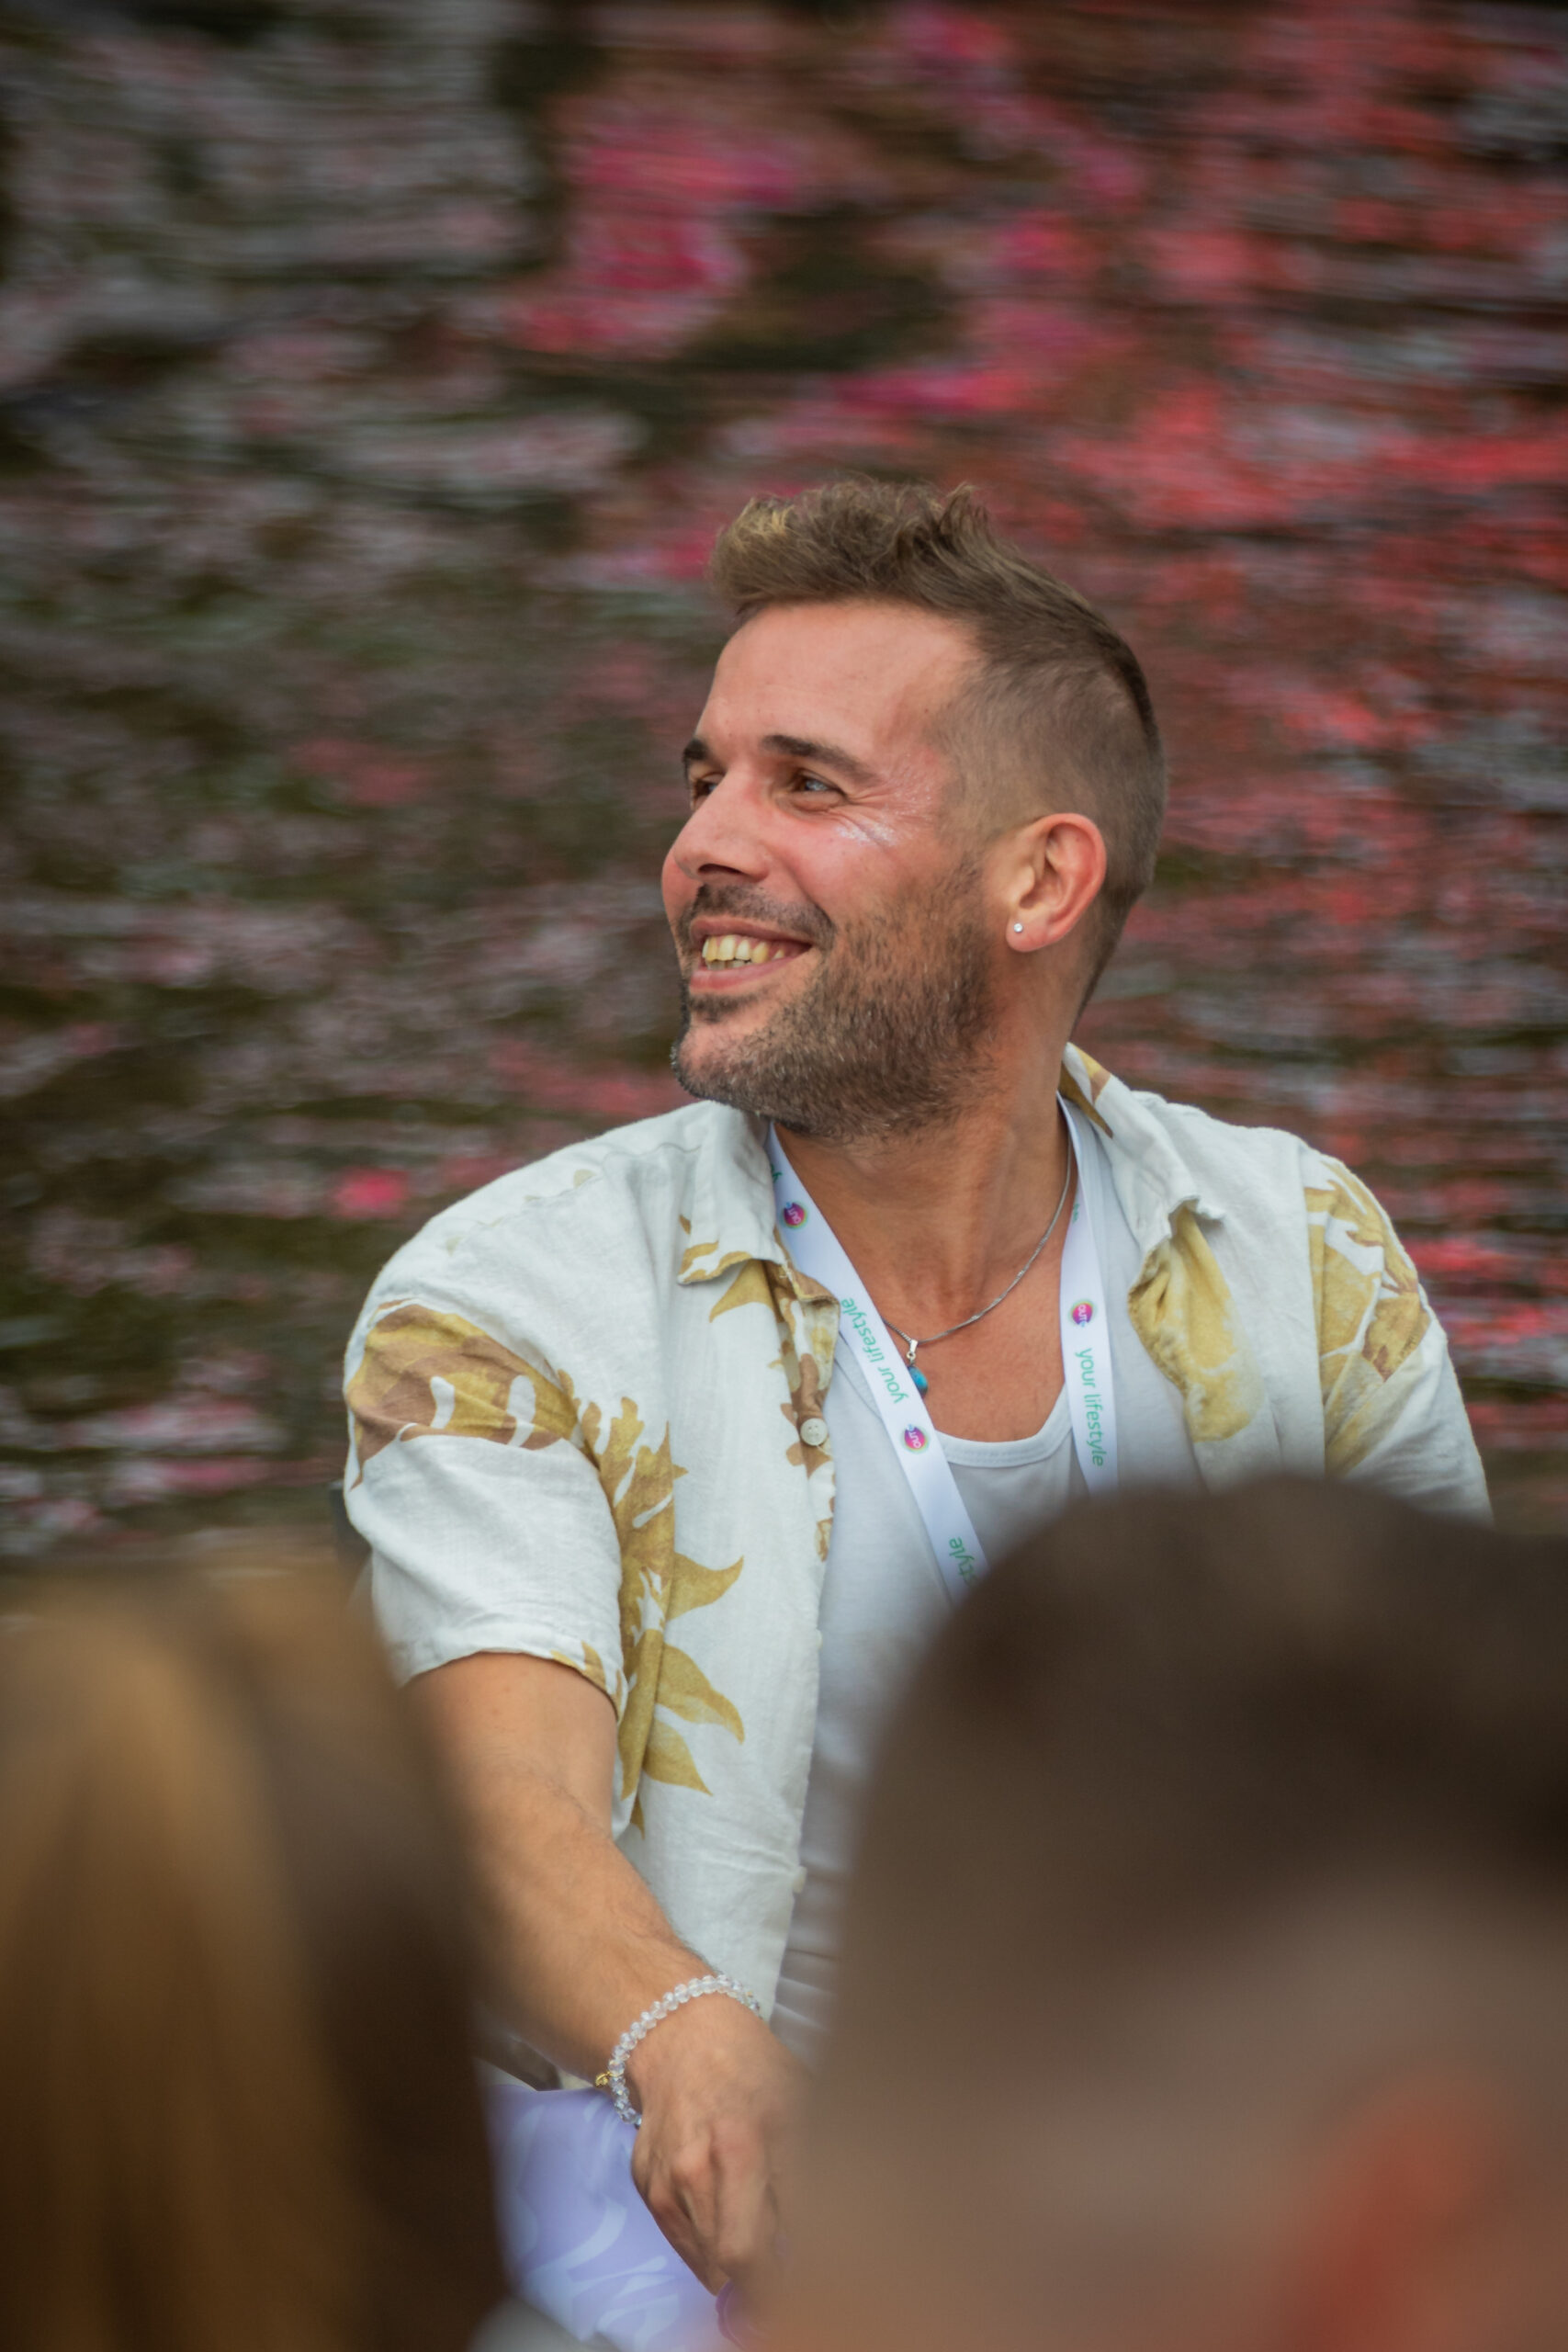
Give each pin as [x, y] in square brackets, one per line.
[1060, 703]
[1166, 1721]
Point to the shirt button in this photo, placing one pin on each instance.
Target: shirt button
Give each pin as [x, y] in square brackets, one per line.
[818, 1637]
[798, 1881]
[814, 1432]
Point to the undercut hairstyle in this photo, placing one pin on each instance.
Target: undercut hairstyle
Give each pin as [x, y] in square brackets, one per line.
[240, 2105]
[1169, 1730]
[1059, 715]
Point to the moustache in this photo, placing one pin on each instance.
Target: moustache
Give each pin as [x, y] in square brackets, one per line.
[802, 920]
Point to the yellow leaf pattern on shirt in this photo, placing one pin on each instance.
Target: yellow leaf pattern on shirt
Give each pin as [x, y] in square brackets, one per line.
[687, 1692]
[668, 1758]
[428, 1372]
[1181, 1309]
[694, 1588]
[748, 1287]
[1371, 1315]
[657, 1582]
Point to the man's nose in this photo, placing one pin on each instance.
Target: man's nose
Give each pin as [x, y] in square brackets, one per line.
[723, 836]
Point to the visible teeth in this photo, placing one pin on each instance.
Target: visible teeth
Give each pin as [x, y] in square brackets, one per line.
[732, 948]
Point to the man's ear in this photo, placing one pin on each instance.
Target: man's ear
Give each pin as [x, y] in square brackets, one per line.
[1053, 870]
[1409, 2239]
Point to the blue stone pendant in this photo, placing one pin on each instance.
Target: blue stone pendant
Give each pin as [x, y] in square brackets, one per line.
[920, 1381]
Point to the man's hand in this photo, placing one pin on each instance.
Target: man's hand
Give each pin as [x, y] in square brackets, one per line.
[719, 2099]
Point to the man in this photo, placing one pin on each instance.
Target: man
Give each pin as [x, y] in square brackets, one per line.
[661, 1533]
[1203, 1987]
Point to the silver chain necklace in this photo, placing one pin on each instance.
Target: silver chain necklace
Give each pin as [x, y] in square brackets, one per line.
[931, 1338]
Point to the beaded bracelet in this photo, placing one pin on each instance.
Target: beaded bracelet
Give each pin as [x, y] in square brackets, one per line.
[614, 2078]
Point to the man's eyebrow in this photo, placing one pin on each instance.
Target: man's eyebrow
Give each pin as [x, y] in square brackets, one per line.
[827, 755]
[790, 747]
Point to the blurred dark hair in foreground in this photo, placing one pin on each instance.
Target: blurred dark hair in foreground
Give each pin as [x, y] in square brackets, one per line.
[237, 2107]
[1208, 1955]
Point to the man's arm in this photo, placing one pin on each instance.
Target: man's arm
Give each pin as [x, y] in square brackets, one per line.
[581, 1949]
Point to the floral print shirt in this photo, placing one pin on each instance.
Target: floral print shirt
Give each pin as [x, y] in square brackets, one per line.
[582, 1406]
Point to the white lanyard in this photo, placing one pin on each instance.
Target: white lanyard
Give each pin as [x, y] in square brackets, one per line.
[819, 1253]
[1086, 1341]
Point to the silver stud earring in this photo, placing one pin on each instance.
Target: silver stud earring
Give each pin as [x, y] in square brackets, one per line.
[1018, 926]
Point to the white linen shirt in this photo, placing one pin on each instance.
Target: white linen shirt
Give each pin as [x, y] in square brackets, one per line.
[577, 1402]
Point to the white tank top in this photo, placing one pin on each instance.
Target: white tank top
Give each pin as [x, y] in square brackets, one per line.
[883, 1596]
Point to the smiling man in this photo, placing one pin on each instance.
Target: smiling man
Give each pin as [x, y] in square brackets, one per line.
[673, 1449]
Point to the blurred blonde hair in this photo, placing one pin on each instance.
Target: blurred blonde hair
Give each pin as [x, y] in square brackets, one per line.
[236, 2103]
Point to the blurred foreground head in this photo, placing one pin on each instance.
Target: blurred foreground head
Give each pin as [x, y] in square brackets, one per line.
[237, 2108]
[1206, 1988]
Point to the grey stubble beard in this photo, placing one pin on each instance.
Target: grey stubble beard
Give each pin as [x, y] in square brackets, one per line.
[889, 1039]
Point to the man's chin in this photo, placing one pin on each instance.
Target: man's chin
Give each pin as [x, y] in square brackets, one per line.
[709, 1076]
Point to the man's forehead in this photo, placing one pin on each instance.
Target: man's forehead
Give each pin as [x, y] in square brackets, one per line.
[856, 674]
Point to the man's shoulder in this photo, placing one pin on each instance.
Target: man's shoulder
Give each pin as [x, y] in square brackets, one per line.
[585, 1194]
[613, 1168]
[1166, 1153]
[1229, 1155]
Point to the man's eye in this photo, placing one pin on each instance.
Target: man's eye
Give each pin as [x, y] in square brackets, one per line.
[814, 784]
[702, 785]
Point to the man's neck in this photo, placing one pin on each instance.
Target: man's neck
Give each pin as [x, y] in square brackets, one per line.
[938, 1219]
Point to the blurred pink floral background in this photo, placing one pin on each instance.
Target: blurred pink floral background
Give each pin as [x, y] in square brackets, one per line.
[374, 375]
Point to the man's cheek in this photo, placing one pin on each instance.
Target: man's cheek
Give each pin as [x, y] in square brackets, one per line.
[677, 894]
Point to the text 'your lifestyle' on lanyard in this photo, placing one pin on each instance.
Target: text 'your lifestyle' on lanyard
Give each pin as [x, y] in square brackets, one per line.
[1086, 1363]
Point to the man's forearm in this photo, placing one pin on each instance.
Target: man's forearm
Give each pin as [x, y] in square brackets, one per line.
[579, 1946]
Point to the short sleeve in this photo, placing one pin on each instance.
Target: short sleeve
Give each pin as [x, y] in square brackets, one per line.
[469, 1479]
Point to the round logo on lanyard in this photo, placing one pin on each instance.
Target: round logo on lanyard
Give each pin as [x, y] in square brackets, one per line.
[794, 1213]
[1084, 1311]
[915, 1439]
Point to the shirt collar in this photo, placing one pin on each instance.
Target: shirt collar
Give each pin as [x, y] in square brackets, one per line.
[731, 1194]
[1152, 1178]
[731, 1199]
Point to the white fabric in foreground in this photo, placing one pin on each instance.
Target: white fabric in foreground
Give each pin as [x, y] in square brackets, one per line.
[580, 2243]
